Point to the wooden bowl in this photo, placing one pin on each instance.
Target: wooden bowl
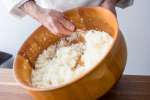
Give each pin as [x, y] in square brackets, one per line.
[92, 84]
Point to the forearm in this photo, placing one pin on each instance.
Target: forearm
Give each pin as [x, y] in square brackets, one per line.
[32, 9]
[111, 1]
[109, 4]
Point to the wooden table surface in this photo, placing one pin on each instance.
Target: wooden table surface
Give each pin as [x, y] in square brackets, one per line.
[130, 87]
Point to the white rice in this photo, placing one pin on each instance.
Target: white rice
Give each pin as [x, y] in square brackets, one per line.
[59, 63]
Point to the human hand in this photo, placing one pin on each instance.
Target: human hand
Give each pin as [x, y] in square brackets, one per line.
[53, 20]
[56, 22]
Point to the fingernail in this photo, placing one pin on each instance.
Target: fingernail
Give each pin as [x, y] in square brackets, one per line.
[72, 27]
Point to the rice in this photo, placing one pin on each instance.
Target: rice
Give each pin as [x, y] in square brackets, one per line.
[69, 58]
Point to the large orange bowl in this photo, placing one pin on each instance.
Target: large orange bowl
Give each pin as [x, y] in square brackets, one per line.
[88, 86]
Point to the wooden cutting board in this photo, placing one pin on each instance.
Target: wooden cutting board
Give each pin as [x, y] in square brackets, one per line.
[130, 87]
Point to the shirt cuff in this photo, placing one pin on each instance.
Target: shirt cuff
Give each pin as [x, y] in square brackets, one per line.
[124, 3]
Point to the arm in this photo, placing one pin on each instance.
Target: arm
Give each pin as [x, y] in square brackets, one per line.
[110, 4]
[54, 20]
[13, 7]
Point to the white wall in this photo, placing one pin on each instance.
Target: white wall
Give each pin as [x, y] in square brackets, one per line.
[134, 22]
[13, 31]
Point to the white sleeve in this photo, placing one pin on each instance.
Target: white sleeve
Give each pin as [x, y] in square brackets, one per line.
[13, 7]
[124, 3]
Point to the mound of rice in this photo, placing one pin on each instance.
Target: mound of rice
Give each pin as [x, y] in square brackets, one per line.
[70, 57]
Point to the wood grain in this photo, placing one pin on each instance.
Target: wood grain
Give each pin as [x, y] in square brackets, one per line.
[129, 88]
[6, 76]
[90, 85]
[9, 89]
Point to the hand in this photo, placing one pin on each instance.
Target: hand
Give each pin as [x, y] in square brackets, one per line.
[56, 22]
[109, 4]
[53, 20]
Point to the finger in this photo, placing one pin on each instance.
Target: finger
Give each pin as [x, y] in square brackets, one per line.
[55, 13]
[66, 23]
[50, 24]
[62, 29]
[51, 30]
[56, 28]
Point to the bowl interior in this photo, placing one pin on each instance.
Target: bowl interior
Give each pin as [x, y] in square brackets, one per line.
[84, 18]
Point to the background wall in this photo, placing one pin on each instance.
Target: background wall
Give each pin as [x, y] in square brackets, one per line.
[134, 23]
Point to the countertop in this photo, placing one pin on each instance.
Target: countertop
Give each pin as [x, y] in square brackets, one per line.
[130, 87]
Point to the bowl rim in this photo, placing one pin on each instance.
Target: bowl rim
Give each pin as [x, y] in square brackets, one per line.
[63, 85]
